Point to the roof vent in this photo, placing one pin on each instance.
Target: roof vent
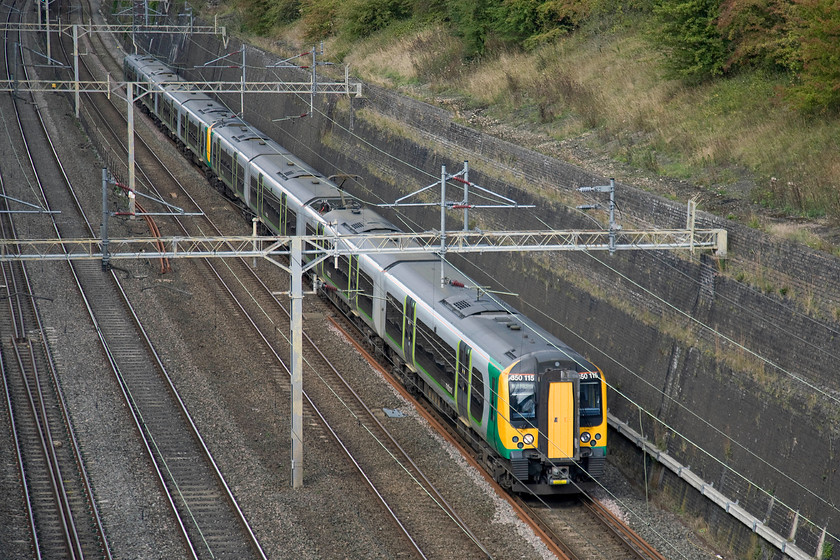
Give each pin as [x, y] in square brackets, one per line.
[466, 307]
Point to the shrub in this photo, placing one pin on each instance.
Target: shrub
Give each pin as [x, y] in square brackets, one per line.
[260, 16]
[759, 33]
[363, 17]
[818, 32]
[320, 18]
[471, 20]
[687, 30]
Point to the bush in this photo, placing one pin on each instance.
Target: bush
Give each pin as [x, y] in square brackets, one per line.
[531, 21]
[260, 16]
[818, 33]
[687, 30]
[759, 33]
[363, 17]
[471, 20]
[320, 18]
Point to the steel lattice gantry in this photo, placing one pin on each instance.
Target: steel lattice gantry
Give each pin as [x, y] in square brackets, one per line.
[318, 248]
[273, 247]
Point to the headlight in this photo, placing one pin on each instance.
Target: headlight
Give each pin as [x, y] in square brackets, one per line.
[585, 436]
[528, 439]
[597, 436]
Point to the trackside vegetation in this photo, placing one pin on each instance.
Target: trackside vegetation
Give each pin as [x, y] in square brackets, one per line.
[722, 93]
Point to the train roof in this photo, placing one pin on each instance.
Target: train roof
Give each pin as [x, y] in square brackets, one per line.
[479, 317]
[483, 319]
[475, 316]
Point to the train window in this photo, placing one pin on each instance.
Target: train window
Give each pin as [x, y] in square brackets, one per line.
[477, 395]
[522, 399]
[342, 274]
[240, 178]
[271, 210]
[255, 193]
[192, 133]
[435, 357]
[393, 319]
[165, 109]
[365, 299]
[590, 403]
[226, 167]
[291, 221]
[182, 132]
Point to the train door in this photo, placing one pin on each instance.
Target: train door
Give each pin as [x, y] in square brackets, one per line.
[203, 148]
[462, 383]
[258, 202]
[284, 219]
[408, 331]
[557, 417]
[353, 293]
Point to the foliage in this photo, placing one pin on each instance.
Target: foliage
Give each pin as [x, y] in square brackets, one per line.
[687, 30]
[531, 22]
[320, 18]
[261, 16]
[364, 17]
[818, 32]
[759, 33]
[471, 21]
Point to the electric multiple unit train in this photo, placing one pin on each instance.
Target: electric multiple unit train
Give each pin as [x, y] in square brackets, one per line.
[534, 407]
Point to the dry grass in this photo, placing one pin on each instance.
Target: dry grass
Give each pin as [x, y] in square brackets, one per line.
[385, 63]
[614, 84]
[611, 83]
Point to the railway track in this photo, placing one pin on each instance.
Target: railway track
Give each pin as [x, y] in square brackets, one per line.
[358, 410]
[256, 301]
[209, 519]
[63, 519]
[251, 298]
[577, 528]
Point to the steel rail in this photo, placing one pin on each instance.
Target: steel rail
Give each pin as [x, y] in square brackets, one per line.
[315, 409]
[254, 543]
[74, 544]
[450, 512]
[633, 540]
[219, 476]
[552, 544]
[95, 323]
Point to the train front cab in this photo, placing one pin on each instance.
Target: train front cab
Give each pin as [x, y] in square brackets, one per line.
[552, 424]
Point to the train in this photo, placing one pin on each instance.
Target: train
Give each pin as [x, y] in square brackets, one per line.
[533, 408]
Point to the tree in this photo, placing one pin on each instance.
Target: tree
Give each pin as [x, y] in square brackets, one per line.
[687, 30]
[819, 37]
[760, 33]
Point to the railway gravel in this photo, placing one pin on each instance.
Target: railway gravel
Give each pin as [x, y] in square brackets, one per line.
[240, 401]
